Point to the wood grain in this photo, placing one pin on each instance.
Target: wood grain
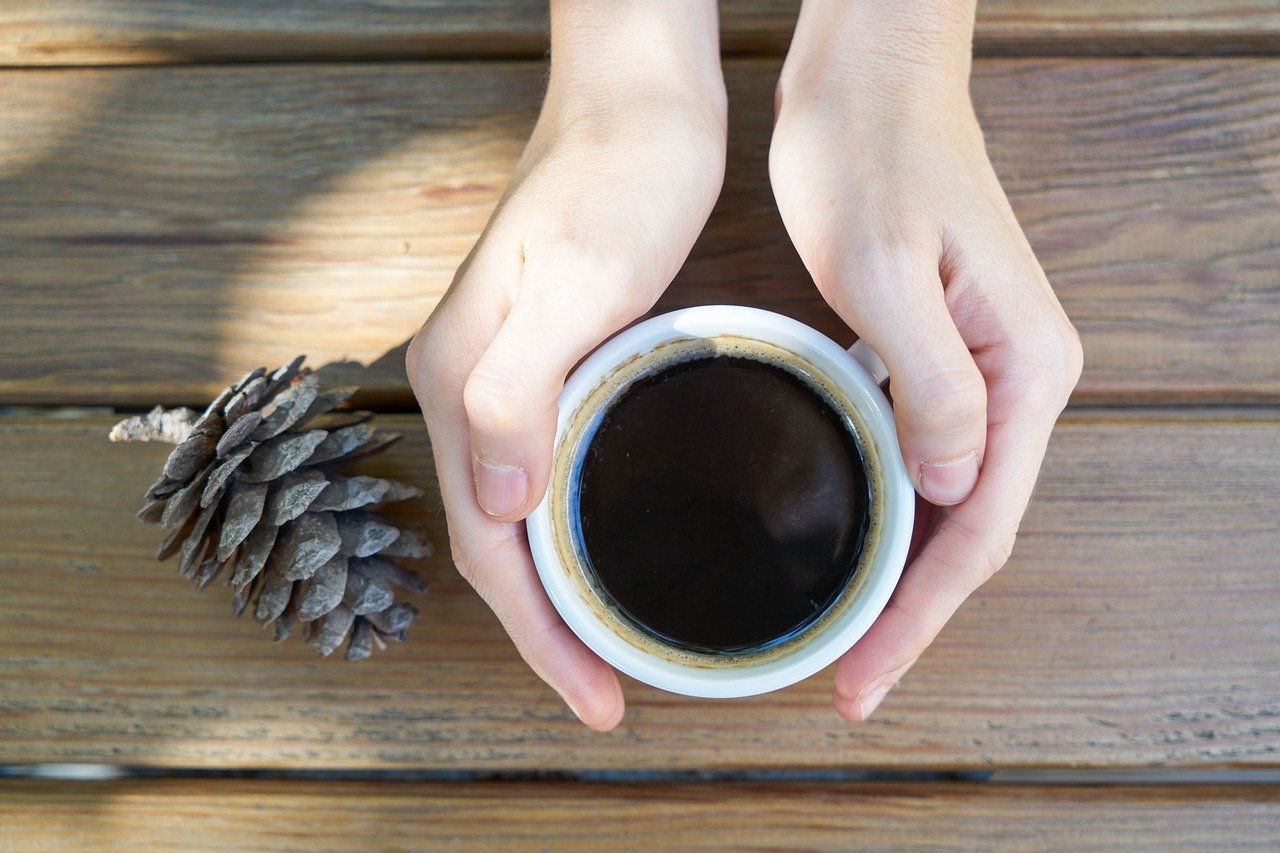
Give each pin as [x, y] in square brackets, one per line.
[161, 229]
[67, 32]
[1135, 626]
[261, 815]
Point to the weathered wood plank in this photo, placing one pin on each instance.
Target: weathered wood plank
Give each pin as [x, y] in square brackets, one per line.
[1135, 626]
[160, 229]
[40, 32]
[212, 813]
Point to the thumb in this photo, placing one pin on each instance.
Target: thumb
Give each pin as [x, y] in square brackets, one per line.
[510, 400]
[939, 395]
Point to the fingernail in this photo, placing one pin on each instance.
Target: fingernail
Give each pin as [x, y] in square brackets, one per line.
[869, 703]
[500, 489]
[946, 483]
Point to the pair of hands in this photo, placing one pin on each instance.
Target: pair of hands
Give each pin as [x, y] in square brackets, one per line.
[880, 173]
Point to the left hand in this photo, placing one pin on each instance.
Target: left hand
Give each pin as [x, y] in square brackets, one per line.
[882, 179]
[618, 178]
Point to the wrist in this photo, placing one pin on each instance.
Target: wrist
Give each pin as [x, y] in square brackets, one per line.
[631, 51]
[898, 47]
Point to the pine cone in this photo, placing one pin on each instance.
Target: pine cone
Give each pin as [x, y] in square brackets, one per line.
[252, 487]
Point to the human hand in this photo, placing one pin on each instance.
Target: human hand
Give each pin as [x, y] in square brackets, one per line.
[882, 179]
[615, 184]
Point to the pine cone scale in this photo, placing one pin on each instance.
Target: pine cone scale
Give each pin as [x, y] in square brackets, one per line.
[196, 450]
[244, 400]
[337, 624]
[334, 421]
[253, 555]
[183, 503]
[323, 591]
[222, 474]
[294, 494]
[344, 493]
[274, 597]
[238, 433]
[194, 547]
[278, 456]
[308, 543]
[340, 442]
[364, 595]
[244, 511]
[290, 406]
[380, 568]
[364, 534]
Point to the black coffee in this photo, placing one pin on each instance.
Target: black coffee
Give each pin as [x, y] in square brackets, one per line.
[722, 504]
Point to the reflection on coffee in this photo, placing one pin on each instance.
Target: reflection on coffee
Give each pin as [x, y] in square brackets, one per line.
[722, 503]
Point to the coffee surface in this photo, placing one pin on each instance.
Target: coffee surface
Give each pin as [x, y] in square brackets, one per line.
[722, 504]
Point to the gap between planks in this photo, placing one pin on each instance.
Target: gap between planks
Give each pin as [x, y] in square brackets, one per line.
[39, 32]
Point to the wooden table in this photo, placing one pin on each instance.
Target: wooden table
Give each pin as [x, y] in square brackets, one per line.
[189, 189]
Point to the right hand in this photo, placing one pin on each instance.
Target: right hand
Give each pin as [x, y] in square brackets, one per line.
[615, 184]
[882, 179]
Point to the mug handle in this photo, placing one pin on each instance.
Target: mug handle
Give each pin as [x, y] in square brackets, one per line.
[870, 362]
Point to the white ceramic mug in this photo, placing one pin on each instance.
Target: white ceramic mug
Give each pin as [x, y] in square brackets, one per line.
[856, 376]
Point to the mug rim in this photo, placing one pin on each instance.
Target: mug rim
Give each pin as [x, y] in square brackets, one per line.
[879, 576]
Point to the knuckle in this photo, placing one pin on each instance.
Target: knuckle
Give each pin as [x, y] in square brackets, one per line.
[589, 130]
[571, 260]
[493, 400]
[465, 562]
[949, 398]
[1072, 356]
[472, 560]
[422, 360]
[891, 259]
[990, 550]
[414, 361]
[1054, 361]
[577, 278]
[852, 274]
[997, 555]
[617, 306]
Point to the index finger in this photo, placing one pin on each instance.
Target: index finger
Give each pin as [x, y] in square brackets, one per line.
[972, 541]
[494, 558]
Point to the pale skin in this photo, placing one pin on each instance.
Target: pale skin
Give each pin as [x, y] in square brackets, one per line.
[880, 173]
